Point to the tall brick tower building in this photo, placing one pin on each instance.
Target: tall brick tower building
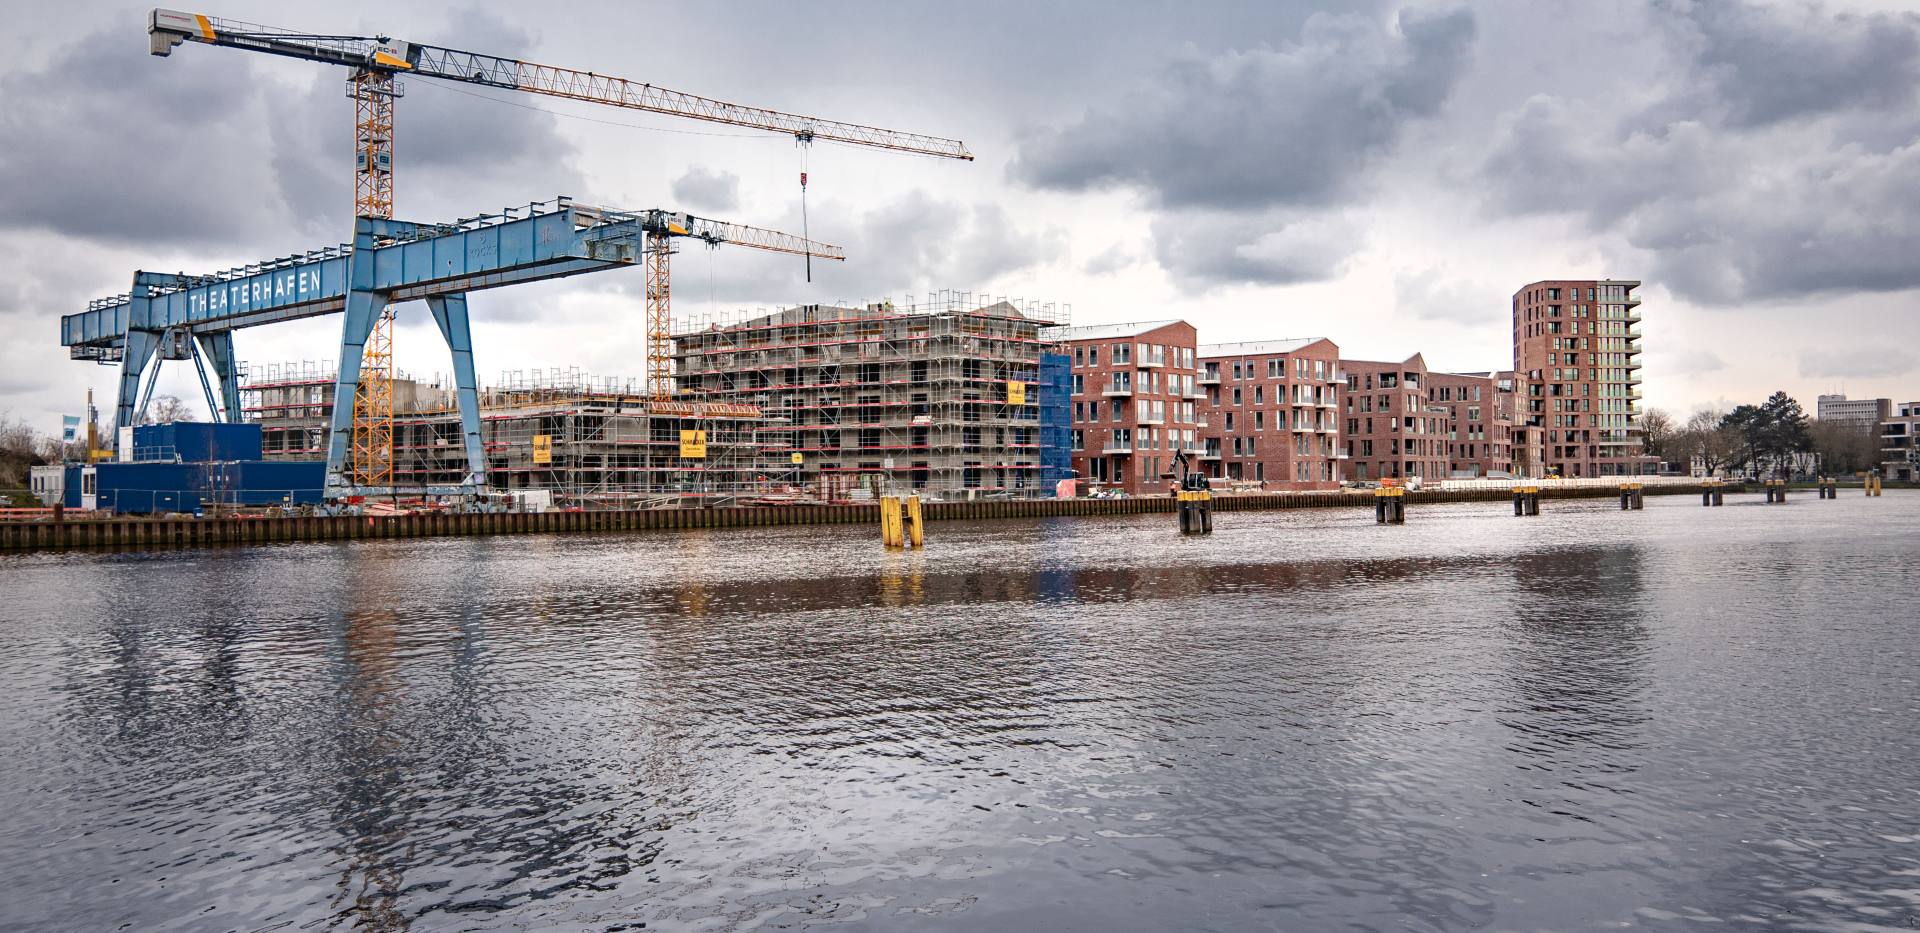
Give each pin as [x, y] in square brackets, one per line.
[1576, 353]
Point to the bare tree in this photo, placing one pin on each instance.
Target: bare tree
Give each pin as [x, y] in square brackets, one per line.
[1658, 430]
[1846, 446]
[165, 408]
[1704, 437]
[19, 449]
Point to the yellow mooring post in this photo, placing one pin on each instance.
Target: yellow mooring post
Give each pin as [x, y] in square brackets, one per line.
[1526, 500]
[916, 526]
[890, 527]
[1632, 496]
[1390, 505]
[1872, 484]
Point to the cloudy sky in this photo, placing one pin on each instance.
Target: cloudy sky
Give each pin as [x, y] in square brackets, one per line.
[1384, 174]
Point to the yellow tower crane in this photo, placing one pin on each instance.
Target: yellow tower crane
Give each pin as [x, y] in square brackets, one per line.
[376, 63]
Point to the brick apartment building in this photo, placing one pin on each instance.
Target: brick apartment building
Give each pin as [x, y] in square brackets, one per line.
[1391, 430]
[1271, 412]
[1480, 412]
[1577, 350]
[1134, 396]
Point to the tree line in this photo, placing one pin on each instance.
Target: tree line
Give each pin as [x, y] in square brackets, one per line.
[1774, 439]
[22, 447]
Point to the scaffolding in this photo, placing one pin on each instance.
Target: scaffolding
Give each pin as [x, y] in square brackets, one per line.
[940, 396]
[594, 443]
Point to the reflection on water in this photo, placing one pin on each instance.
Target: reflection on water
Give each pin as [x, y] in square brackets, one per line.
[1302, 722]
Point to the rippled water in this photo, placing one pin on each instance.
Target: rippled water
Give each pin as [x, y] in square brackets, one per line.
[1675, 718]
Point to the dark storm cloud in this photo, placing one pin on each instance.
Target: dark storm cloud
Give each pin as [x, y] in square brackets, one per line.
[1741, 186]
[107, 142]
[458, 150]
[1202, 250]
[1263, 127]
[703, 189]
[1769, 64]
[1240, 152]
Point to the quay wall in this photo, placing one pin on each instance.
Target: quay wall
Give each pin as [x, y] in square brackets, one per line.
[131, 534]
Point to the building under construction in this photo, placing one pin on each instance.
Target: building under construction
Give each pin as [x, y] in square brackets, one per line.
[592, 443]
[946, 396]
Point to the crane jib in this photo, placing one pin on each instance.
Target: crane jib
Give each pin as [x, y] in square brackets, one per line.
[169, 28]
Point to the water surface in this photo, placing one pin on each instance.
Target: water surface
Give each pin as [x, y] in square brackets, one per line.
[1670, 719]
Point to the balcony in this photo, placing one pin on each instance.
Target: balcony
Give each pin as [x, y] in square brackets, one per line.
[1633, 363]
[1114, 450]
[1113, 391]
[1146, 363]
[1150, 420]
[1210, 454]
[1209, 379]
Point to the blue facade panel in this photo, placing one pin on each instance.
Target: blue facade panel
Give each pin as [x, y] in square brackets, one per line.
[196, 441]
[146, 488]
[1056, 425]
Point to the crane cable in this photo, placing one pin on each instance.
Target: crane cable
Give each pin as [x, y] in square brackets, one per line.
[805, 142]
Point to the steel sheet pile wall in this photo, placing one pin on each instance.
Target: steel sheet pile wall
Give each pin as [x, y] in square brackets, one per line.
[136, 533]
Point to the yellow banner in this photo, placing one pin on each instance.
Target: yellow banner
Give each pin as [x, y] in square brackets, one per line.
[799, 458]
[542, 449]
[1016, 393]
[693, 444]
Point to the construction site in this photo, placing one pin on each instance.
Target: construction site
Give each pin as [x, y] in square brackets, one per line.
[575, 441]
[947, 395]
[389, 440]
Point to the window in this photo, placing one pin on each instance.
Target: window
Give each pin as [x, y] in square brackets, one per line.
[1093, 356]
[1259, 420]
[1079, 384]
[1079, 356]
[1236, 391]
[1080, 410]
[1258, 396]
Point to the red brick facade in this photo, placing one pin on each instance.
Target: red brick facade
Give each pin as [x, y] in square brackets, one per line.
[1271, 412]
[1134, 399]
[1577, 349]
[1391, 431]
[1480, 409]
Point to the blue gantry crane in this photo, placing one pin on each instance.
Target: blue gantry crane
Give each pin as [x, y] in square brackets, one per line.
[388, 262]
[160, 317]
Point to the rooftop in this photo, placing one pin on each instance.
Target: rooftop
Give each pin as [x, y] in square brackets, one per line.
[1256, 347]
[1106, 331]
